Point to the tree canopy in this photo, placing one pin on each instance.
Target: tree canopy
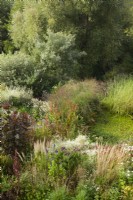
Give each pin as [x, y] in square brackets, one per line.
[5, 7]
[54, 31]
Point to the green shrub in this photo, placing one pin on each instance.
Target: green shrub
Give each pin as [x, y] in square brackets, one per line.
[119, 97]
[17, 69]
[8, 187]
[59, 194]
[31, 191]
[81, 195]
[59, 60]
[62, 168]
[6, 162]
[56, 59]
[112, 193]
[48, 173]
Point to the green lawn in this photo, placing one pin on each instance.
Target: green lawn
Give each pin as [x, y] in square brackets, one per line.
[113, 128]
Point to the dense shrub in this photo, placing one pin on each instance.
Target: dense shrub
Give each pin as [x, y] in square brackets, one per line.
[6, 162]
[62, 168]
[46, 173]
[59, 194]
[58, 58]
[17, 69]
[9, 188]
[119, 97]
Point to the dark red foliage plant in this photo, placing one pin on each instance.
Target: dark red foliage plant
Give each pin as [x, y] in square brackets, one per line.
[17, 133]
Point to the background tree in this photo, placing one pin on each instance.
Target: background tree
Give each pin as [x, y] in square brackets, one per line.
[100, 26]
[56, 32]
[5, 7]
[28, 24]
[58, 58]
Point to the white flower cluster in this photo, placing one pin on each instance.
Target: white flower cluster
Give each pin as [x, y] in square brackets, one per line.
[129, 173]
[90, 152]
[128, 148]
[80, 142]
[42, 106]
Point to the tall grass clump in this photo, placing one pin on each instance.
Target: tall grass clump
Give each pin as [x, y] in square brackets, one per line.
[119, 97]
[108, 163]
[84, 94]
[74, 89]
